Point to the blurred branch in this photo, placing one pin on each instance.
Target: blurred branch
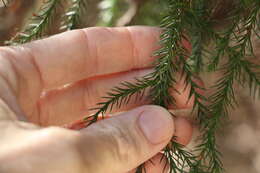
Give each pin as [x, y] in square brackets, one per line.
[127, 18]
[90, 17]
[12, 17]
[2, 3]
[40, 22]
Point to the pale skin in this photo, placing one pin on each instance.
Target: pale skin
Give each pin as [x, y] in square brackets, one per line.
[92, 61]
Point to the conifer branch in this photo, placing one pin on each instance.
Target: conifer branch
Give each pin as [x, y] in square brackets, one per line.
[121, 95]
[252, 74]
[224, 96]
[200, 101]
[181, 160]
[171, 58]
[221, 100]
[166, 65]
[198, 24]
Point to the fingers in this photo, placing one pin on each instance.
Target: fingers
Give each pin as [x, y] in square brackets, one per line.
[183, 131]
[113, 145]
[73, 56]
[77, 55]
[73, 102]
[29, 150]
[123, 142]
[158, 164]
[80, 54]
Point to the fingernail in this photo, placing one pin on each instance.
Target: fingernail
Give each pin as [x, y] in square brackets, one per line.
[156, 124]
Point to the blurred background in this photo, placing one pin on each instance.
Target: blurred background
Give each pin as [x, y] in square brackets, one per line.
[239, 140]
[17, 14]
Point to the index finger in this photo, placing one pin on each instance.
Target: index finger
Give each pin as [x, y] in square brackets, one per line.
[80, 54]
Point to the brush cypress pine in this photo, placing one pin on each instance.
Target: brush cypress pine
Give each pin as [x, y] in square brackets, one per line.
[228, 26]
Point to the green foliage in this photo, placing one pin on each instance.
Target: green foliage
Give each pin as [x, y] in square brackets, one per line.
[197, 21]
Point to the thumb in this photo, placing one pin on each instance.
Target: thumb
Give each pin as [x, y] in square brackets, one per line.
[123, 142]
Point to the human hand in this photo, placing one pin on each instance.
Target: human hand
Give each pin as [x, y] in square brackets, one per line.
[91, 61]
